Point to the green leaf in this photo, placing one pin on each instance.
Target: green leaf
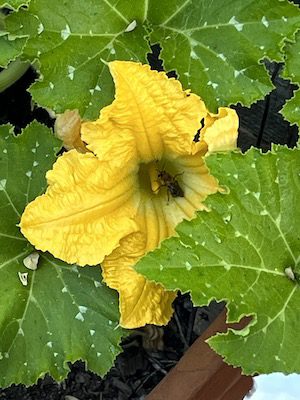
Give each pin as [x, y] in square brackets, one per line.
[215, 48]
[70, 40]
[291, 110]
[64, 313]
[238, 252]
[10, 49]
[14, 4]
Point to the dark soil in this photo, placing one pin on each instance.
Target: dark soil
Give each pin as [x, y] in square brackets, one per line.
[148, 353]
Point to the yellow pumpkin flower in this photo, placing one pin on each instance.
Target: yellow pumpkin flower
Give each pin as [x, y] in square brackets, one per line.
[143, 174]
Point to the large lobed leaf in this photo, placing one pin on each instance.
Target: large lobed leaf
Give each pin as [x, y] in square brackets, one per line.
[291, 110]
[64, 313]
[238, 252]
[215, 48]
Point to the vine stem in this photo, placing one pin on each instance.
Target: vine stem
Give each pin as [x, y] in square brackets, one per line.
[12, 73]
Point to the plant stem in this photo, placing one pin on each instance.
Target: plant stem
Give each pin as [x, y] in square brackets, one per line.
[12, 73]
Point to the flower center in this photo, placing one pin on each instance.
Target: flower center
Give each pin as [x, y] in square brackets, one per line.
[159, 177]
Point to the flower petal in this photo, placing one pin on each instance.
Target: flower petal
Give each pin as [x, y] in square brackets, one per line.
[67, 128]
[150, 114]
[77, 220]
[220, 131]
[141, 301]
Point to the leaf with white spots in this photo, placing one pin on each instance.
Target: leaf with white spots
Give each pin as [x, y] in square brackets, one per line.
[216, 49]
[51, 312]
[291, 110]
[14, 4]
[239, 252]
[73, 41]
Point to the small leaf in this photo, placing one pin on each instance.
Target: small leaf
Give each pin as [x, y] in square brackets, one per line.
[14, 4]
[239, 252]
[291, 110]
[64, 313]
[10, 49]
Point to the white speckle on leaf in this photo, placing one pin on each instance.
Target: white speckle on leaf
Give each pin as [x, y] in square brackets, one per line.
[277, 358]
[40, 28]
[222, 57]
[208, 285]
[5, 151]
[92, 91]
[227, 218]
[28, 173]
[188, 266]
[226, 266]
[71, 71]
[82, 309]
[35, 163]
[51, 85]
[92, 346]
[49, 344]
[206, 69]
[186, 74]
[23, 276]
[265, 22]
[92, 332]
[98, 88]
[194, 55]
[289, 273]
[37, 144]
[217, 239]
[79, 316]
[21, 332]
[109, 322]
[31, 261]
[55, 354]
[214, 85]
[256, 195]
[240, 72]
[65, 33]
[2, 184]
[131, 26]
[6, 355]
[238, 26]
[112, 51]
[97, 284]
[262, 47]
[99, 354]
[161, 267]
[64, 290]
[264, 212]
[235, 176]
[284, 19]
[33, 150]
